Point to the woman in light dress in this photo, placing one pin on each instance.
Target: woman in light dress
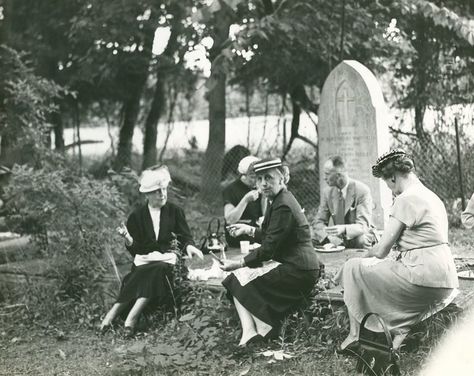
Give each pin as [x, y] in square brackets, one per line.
[422, 275]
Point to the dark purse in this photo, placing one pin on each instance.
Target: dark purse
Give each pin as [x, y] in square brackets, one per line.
[214, 240]
[376, 355]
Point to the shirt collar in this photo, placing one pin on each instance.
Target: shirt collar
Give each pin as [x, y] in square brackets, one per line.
[344, 189]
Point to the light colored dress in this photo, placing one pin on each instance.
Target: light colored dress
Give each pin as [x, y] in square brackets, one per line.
[423, 275]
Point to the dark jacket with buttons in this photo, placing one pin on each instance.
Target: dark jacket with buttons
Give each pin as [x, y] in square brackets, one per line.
[285, 235]
[140, 227]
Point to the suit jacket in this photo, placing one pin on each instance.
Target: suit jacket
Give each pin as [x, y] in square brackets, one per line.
[140, 227]
[358, 208]
[285, 235]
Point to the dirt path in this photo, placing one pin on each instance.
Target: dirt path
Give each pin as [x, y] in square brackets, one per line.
[52, 352]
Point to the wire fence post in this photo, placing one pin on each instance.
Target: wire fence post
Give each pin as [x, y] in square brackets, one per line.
[458, 152]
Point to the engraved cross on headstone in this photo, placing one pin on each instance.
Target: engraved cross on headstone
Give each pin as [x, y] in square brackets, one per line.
[344, 98]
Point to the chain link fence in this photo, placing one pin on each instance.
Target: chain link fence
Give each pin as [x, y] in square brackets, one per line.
[444, 162]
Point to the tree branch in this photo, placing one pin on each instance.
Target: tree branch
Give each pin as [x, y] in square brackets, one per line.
[398, 131]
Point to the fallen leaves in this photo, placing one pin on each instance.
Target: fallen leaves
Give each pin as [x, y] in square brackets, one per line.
[276, 355]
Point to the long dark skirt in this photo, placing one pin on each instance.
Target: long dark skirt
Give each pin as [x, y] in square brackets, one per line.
[273, 295]
[153, 281]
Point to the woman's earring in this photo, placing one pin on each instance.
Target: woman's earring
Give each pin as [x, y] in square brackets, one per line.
[393, 179]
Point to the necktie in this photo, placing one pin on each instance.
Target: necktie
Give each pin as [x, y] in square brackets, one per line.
[339, 219]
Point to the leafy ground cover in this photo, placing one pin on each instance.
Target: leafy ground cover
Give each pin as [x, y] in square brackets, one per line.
[202, 341]
[61, 339]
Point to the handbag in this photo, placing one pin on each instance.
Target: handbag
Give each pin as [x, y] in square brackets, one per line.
[376, 356]
[214, 239]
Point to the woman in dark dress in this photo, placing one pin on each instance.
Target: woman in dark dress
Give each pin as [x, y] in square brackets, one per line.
[242, 202]
[263, 296]
[148, 237]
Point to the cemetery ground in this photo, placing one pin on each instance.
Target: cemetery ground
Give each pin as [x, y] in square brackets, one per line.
[42, 333]
[60, 338]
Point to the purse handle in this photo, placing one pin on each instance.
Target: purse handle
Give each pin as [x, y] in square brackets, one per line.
[378, 345]
[209, 230]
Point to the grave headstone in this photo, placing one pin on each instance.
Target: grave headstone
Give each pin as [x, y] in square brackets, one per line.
[353, 123]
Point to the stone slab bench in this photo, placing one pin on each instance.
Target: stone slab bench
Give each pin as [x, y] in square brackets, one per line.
[17, 248]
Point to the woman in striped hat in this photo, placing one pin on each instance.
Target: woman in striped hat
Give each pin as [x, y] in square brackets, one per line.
[276, 277]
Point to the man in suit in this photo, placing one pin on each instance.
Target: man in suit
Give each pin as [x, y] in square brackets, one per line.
[345, 211]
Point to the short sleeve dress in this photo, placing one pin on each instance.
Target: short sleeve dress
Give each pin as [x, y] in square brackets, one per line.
[423, 275]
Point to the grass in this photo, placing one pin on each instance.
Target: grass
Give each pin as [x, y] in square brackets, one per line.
[202, 342]
[48, 336]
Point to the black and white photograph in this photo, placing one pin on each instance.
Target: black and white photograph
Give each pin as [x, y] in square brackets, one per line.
[236, 187]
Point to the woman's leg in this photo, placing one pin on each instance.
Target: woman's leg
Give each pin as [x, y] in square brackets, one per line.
[112, 314]
[135, 312]
[262, 327]
[354, 327]
[246, 320]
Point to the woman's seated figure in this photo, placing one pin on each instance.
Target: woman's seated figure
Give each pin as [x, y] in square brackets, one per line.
[242, 201]
[149, 233]
[263, 296]
[423, 273]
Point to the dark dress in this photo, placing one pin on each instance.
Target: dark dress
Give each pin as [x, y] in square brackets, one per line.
[233, 194]
[286, 238]
[155, 279]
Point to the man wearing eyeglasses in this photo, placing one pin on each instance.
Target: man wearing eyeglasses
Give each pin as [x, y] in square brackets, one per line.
[345, 211]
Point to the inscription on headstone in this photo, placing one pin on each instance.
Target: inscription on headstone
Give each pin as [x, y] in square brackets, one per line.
[353, 123]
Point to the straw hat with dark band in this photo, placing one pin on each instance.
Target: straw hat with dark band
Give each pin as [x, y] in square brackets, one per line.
[267, 164]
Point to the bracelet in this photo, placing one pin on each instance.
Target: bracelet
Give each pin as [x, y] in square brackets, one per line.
[252, 232]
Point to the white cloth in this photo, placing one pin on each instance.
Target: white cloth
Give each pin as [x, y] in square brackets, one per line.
[246, 275]
[155, 218]
[167, 257]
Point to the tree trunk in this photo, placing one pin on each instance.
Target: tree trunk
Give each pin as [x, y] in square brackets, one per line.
[8, 151]
[5, 25]
[213, 157]
[151, 125]
[124, 151]
[212, 164]
[131, 105]
[165, 62]
[58, 130]
[295, 125]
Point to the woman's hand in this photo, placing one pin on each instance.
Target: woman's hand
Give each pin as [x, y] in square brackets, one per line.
[191, 251]
[123, 231]
[251, 196]
[375, 252]
[238, 229]
[229, 265]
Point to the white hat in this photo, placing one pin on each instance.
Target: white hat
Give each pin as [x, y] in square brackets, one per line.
[245, 163]
[151, 180]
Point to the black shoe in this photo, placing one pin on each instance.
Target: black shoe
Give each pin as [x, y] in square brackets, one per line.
[105, 328]
[352, 349]
[128, 332]
[274, 333]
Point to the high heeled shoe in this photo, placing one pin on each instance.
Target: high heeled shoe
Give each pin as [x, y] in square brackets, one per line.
[105, 328]
[128, 332]
[255, 339]
[352, 349]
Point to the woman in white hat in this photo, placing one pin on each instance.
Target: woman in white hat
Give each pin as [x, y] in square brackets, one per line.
[148, 236]
[242, 201]
[265, 295]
